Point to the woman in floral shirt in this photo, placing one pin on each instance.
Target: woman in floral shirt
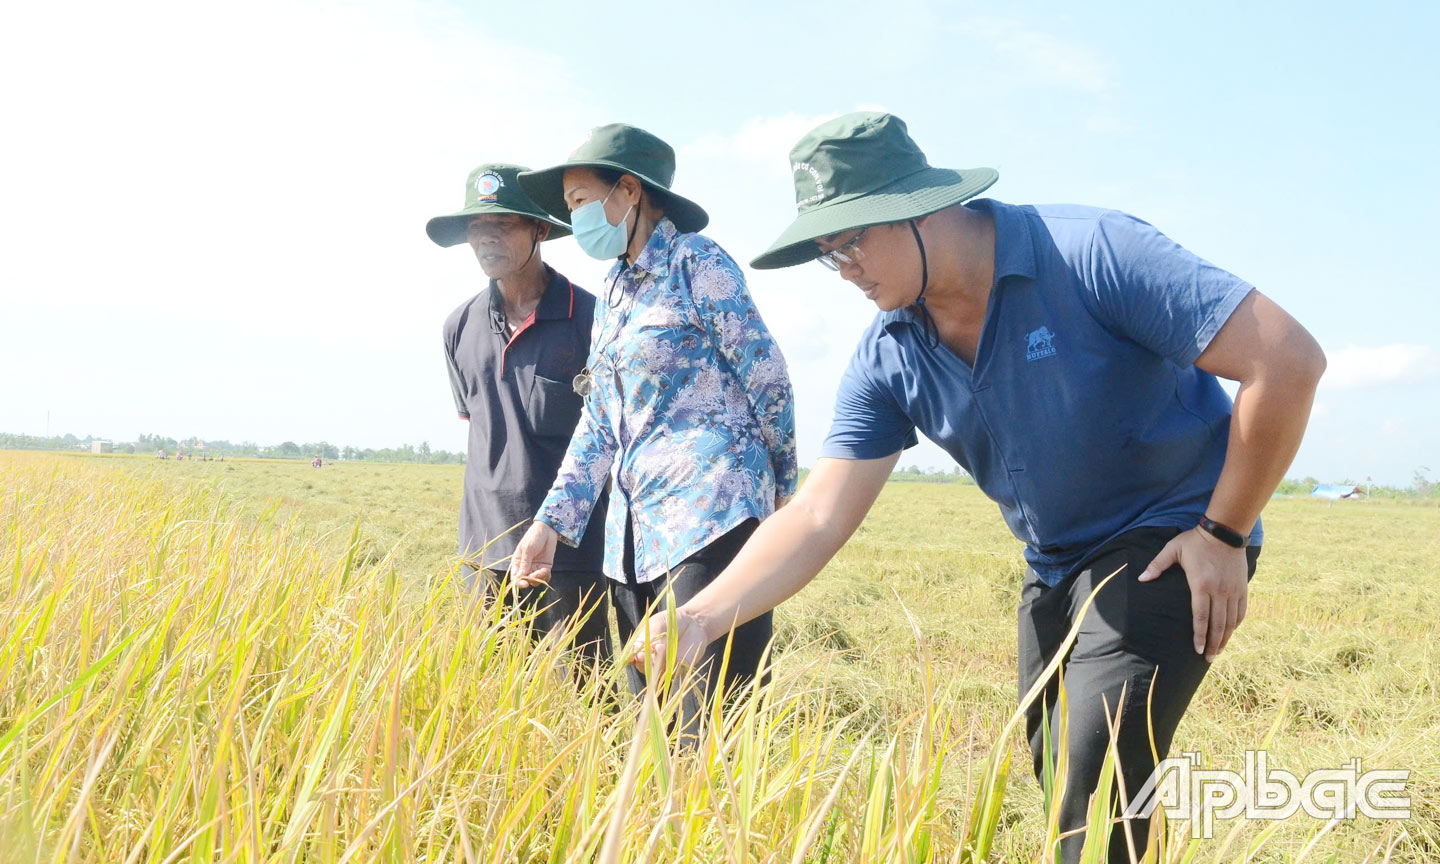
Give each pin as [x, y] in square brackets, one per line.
[688, 410]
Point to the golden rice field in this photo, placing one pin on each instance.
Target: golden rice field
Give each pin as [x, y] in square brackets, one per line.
[258, 661]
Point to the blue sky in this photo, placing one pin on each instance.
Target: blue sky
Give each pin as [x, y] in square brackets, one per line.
[214, 215]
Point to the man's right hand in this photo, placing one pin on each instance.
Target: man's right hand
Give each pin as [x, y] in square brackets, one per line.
[647, 649]
[535, 556]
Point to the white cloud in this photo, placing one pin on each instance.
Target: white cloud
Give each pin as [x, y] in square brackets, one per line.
[1354, 367]
[232, 201]
[1108, 123]
[765, 140]
[1041, 58]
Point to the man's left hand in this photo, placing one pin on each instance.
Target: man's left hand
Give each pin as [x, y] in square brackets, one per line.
[1219, 585]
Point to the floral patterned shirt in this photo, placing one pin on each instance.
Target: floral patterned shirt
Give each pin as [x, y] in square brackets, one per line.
[692, 414]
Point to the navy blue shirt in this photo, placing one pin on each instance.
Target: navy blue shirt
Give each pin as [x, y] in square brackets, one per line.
[517, 391]
[1084, 415]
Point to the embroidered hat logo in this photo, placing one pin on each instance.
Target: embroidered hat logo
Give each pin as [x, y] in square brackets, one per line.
[814, 175]
[488, 185]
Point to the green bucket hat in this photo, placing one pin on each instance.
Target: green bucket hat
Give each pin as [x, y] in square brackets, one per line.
[630, 151]
[863, 169]
[491, 188]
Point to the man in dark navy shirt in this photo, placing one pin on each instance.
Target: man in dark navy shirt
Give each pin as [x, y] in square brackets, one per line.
[513, 351]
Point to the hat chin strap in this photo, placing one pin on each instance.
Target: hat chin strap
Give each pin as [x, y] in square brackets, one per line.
[534, 245]
[630, 237]
[927, 321]
[611, 299]
[498, 323]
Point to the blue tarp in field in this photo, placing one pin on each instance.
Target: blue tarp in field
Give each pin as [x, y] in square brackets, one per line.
[1335, 491]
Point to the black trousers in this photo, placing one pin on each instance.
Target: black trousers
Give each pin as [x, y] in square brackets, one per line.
[570, 593]
[634, 602]
[1135, 633]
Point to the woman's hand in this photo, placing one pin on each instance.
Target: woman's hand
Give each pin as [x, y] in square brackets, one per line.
[535, 556]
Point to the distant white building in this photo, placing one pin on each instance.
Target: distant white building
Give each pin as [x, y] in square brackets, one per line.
[101, 447]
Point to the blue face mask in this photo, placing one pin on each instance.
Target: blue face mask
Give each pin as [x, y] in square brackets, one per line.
[594, 232]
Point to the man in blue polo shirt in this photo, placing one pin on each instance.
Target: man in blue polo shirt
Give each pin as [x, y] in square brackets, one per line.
[1066, 357]
[513, 351]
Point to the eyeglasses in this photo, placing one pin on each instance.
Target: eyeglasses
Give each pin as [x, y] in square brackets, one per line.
[850, 253]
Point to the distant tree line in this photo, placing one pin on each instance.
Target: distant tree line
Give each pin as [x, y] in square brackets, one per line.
[1421, 485]
[916, 474]
[249, 449]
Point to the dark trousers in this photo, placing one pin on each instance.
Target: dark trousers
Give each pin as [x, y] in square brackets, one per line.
[570, 593]
[1135, 633]
[635, 601]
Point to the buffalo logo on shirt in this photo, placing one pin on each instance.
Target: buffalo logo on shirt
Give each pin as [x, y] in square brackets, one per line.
[1039, 343]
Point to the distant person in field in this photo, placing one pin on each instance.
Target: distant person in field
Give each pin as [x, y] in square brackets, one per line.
[1067, 358]
[512, 351]
[688, 407]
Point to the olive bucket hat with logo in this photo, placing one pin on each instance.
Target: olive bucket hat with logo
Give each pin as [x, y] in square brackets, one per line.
[858, 170]
[628, 150]
[491, 188]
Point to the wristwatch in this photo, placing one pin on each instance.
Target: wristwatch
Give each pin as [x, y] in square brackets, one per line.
[1224, 533]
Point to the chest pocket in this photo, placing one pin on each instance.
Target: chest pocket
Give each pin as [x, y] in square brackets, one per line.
[550, 400]
[553, 407]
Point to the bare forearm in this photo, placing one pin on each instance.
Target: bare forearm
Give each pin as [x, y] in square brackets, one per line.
[1278, 364]
[1265, 431]
[782, 556]
[790, 547]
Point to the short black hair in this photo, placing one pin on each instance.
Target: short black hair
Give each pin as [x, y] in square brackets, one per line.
[608, 176]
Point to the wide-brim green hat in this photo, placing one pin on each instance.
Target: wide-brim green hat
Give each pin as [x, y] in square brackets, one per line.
[627, 150]
[858, 170]
[492, 188]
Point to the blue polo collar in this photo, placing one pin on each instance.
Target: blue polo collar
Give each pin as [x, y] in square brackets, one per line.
[1014, 251]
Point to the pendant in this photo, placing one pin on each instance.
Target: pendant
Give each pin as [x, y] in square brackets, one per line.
[583, 384]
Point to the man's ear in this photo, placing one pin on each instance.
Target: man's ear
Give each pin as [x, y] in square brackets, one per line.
[544, 233]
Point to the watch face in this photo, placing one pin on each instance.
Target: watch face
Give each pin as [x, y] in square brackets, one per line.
[583, 384]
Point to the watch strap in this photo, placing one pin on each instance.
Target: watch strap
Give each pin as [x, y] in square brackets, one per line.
[1224, 533]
